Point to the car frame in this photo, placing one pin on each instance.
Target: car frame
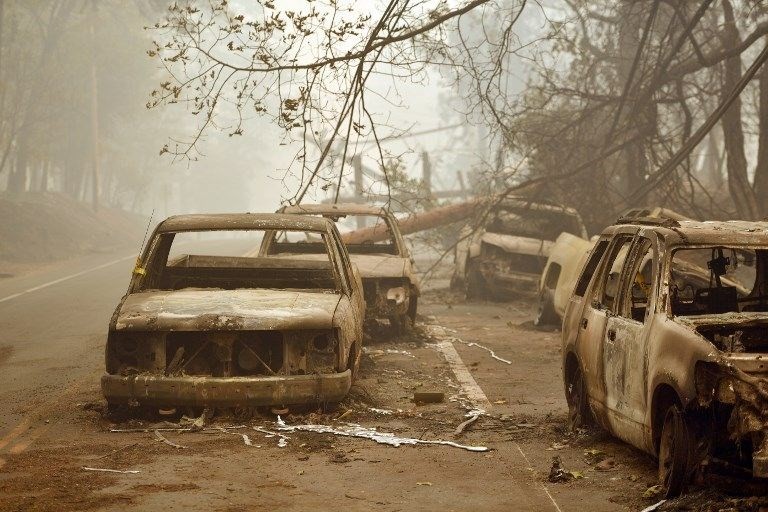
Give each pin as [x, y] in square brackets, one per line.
[390, 282]
[655, 377]
[172, 345]
[501, 265]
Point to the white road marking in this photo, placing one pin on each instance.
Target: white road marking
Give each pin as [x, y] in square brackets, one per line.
[67, 278]
[468, 384]
[544, 487]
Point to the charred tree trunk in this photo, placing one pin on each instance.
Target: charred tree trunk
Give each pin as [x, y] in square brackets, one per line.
[733, 134]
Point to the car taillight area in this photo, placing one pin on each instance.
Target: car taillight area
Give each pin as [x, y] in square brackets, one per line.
[223, 353]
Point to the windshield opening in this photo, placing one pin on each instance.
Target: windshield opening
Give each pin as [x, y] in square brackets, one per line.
[717, 279]
[229, 259]
[347, 223]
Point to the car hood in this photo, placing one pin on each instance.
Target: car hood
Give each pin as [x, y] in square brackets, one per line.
[226, 310]
[379, 265]
[730, 319]
[518, 244]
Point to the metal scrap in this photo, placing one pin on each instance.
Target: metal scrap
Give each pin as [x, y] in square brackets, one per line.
[355, 430]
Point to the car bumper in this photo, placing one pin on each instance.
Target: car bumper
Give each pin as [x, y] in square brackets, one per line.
[227, 391]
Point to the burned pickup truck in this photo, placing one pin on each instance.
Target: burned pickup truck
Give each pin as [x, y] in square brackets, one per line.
[390, 282]
[665, 344]
[507, 256]
[204, 325]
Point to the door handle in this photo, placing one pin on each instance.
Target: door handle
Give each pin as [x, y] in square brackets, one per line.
[584, 323]
[611, 334]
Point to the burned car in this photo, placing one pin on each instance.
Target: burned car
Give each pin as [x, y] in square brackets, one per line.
[389, 280]
[508, 255]
[665, 344]
[566, 259]
[206, 323]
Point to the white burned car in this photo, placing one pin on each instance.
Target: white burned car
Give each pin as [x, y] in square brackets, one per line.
[665, 344]
[379, 250]
[206, 322]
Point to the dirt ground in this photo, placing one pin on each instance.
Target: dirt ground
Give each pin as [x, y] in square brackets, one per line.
[240, 463]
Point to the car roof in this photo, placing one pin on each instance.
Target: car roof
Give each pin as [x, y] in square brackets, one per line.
[521, 202]
[691, 232]
[336, 208]
[234, 221]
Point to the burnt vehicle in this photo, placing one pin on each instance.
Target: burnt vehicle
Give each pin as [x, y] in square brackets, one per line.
[390, 283]
[566, 259]
[205, 324]
[665, 344]
[508, 255]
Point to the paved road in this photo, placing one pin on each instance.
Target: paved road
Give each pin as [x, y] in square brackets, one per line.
[53, 326]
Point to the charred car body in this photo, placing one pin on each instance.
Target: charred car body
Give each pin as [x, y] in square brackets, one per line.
[508, 255]
[232, 330]
[389, 280]
[665, 343]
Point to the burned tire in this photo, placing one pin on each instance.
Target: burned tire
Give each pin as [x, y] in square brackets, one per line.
[545, 309]
[412, 308]
[675, 449]
[579, 415]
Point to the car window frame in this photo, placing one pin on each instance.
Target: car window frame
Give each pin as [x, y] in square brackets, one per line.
[617, 240]
[593, 254]
[629, 269]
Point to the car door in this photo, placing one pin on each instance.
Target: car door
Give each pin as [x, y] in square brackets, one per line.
[626, 339]
[599, 305]
[355, 284]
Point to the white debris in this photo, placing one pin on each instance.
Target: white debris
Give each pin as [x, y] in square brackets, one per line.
[653, 507]
[355, 430]
[384, 412]
[490, 351]
[161, 437]
[104, 470]
[283, 441]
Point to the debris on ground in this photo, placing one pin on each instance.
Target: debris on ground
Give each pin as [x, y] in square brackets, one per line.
[160, 437]
[653, 507]
[557, 473]
[105, 470]
[606, 464]
[428, 397]
[465, 424]
[355, 430]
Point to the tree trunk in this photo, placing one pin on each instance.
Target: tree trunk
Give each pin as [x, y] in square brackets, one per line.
[761, 169]
[738, 183]
[94, 111]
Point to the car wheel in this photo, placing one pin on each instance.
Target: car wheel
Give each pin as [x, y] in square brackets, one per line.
[579, 415]
[399, 324]
[353, 362]
[545, 309]
[675, 448]
[412, 307]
